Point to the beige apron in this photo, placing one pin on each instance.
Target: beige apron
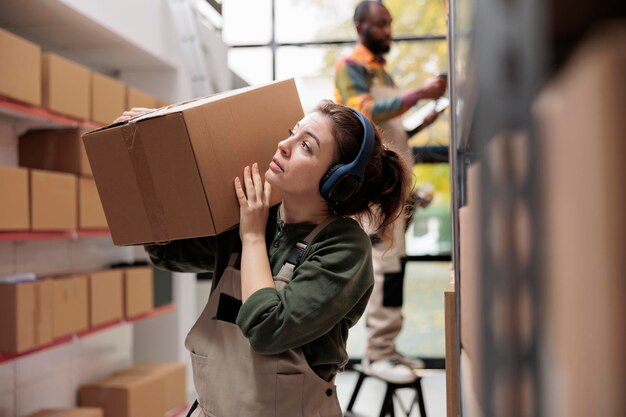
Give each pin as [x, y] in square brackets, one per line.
[232, 380]
[395, 137]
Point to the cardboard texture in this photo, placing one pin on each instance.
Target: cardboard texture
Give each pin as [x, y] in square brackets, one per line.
[108, 98]
[452, 357]
[90, 212]
[581, 125]
[70, 412]
[44, 298]
[70, 312]
[54, 150]
[105, 296]
[20, 68]
[172, 377]
[138, 291]
[137, 98]
[66, 86]
[169, 174]
[53, 198]
[17, 317]
[14, 210]
[125, 395]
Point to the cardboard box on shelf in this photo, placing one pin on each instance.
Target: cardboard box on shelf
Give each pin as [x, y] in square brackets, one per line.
[138, 291]
[20, 68]
[17, 316]
[14, 211]
[54, 150]
[125, 395]
[105, 296]
[108, 98]
[172, 377]
[53, 198]
[70, 305]
[138, 98]
[581, 125]
[69, 412]
[90, 213]
[44, 298]
[169, 174]
[66, 86]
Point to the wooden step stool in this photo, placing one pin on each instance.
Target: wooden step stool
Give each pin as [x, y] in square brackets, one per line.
[387, 408]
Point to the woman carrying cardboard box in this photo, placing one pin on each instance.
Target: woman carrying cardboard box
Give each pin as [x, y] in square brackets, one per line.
[293, 278]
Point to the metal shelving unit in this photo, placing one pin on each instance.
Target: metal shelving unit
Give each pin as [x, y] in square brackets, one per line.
[493, 86]
[158, 311]
[501, 54]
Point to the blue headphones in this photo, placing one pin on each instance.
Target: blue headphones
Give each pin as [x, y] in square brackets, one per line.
[342, 181]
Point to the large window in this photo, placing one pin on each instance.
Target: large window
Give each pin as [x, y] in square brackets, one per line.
[279, 39]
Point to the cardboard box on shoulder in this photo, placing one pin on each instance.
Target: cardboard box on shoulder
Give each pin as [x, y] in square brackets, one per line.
[169, 174]
[20, 68]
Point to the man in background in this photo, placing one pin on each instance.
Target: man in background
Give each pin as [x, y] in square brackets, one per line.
[362, 82]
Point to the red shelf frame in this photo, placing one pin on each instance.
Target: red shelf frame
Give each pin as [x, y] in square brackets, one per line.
[30, 113]
[158, 311]
[54, 235]
[177, 412]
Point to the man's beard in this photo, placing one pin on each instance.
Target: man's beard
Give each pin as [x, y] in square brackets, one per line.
[375, 46]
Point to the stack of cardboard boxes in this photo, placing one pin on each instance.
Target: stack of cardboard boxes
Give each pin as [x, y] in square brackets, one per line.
[63, 86]
[581, 125]
[34, 313]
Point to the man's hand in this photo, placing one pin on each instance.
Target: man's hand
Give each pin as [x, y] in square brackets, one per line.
[434, 87]
[430, 118]
[135, 111]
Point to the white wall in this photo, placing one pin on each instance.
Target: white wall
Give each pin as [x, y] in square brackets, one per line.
[146, 25]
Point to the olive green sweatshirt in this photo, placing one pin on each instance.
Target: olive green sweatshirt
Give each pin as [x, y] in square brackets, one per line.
[327, 295]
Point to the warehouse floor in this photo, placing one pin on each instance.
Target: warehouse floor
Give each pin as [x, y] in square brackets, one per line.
[370, 396]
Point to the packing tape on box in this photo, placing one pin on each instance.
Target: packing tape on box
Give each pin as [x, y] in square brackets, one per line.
[151, 203]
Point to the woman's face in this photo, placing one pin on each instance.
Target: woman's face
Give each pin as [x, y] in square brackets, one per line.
[303, 158]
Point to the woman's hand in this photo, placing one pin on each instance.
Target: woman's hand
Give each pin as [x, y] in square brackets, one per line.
[135, 111]
[254, 205]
